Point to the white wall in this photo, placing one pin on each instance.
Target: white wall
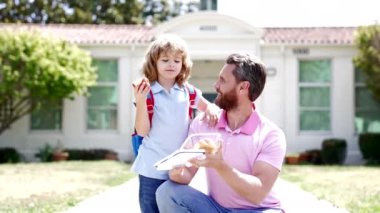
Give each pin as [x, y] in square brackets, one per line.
[280, 98]
[205, 73]
[209, 49]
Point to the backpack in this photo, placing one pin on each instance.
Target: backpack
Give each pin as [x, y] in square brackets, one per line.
[137, 139]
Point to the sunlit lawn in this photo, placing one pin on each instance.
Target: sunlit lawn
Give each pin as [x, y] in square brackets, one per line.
[54, 187]
[355, 188]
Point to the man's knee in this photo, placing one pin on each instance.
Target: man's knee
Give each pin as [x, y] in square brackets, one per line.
[161, 190]
[165, 191]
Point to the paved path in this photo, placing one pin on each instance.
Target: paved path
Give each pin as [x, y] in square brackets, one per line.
[124, 198]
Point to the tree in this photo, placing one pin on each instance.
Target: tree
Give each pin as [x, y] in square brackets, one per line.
[37, 11]
[368, 59]
[37, 70]
[105, 12]
[71, 11]
[157, 11]
[94, 11]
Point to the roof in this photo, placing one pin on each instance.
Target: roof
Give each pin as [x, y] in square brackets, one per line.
[91, 34]
[310, 35]
[135, 34]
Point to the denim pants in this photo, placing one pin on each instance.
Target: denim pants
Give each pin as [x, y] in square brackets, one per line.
[147, 194]
[177, 198]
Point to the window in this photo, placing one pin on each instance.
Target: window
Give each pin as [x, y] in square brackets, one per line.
[367, 110]
[314, 95]
[48, 117]
[210, 96]
[102, 104]
[209, 5]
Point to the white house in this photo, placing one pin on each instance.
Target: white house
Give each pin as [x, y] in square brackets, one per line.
[312, 92]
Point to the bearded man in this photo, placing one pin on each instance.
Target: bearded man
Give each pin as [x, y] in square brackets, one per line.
[242, 172]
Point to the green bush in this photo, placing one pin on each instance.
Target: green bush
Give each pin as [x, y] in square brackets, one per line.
[87, 154]
[312, 156]
[369, 144]
[334, 151]
[9, 155]
[45, 153]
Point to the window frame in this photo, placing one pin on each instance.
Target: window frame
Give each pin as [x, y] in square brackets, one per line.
[300, 108]
[116, 85]
[362, 85]
[60, 130]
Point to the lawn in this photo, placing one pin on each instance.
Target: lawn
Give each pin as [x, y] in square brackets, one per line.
[355, 188]
[54, 187]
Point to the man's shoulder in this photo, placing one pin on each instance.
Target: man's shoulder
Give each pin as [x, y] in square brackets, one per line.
[268, 124]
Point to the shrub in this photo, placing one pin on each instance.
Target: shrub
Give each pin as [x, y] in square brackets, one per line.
[312, 156]
[45, 154]
[334, 151]
[369, 144]
[88, 154]
[9, 155]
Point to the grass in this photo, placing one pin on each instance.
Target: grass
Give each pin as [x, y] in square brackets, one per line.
[56, 186]
[354, 188]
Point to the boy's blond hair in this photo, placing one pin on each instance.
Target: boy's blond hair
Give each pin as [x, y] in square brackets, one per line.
[162, 45]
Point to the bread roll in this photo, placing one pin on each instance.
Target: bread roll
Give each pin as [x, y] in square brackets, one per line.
[207, 145]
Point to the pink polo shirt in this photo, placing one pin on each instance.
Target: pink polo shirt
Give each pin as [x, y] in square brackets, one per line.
[257, 140]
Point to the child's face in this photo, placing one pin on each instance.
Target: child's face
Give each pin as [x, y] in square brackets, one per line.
[169, 65]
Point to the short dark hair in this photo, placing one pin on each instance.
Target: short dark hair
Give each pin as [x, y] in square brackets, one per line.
[249, 69]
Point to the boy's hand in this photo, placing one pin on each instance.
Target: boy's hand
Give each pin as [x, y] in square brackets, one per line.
[211, 115]
[141, 88]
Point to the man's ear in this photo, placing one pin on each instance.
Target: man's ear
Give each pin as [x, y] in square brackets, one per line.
[244, 85]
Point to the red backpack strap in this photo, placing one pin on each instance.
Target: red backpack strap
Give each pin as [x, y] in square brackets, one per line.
[150, 105]
[192, 96]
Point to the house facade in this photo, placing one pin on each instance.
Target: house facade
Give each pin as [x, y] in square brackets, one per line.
[313, 91]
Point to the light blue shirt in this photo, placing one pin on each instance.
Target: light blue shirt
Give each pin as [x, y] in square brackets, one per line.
[170, 126]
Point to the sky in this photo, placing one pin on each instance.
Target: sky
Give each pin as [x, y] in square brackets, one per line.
[303, 13]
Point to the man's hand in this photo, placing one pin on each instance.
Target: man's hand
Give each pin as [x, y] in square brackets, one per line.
[211, 159]
[182, 174]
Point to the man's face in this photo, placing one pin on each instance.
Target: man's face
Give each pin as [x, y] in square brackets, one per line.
[225, 87]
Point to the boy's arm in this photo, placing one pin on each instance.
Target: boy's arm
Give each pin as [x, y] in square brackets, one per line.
[142, 124]
[211, 111]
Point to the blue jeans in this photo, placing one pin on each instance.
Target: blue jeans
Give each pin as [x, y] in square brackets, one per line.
[177, 198]
[147, 194]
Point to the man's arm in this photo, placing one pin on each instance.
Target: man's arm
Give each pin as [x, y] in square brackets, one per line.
[182, 174]
[253, 187]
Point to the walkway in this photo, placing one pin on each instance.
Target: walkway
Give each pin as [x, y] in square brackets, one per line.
[124, 198]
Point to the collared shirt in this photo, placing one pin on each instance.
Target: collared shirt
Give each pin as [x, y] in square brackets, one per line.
[170, 125]
[258, 139]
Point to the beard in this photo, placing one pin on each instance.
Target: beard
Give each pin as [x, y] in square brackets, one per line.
[226, 101]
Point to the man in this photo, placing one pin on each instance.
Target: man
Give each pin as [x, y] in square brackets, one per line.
[241, 174]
